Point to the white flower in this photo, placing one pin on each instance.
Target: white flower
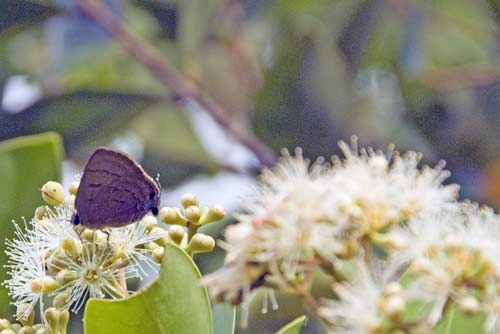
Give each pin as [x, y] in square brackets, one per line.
[388, 188]
[94, 274]
[363, 305]
[127, 242]
[26, 263]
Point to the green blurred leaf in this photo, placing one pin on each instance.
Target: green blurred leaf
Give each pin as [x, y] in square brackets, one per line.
[79, 117]
[25, 165]
[455, 322]
[175, 303]
[224, 318]
[293, 327]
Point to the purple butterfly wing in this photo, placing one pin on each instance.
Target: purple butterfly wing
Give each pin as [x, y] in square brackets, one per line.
[114, 191]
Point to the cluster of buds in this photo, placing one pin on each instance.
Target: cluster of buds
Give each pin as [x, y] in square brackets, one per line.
[191, 217]
[53, 259]
[56, 322]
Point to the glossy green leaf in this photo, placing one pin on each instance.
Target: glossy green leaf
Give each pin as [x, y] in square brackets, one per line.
[224, 318]
[175, 303]
[26, 163]
[293, 327]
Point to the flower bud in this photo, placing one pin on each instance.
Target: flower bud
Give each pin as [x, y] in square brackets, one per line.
[200, 243]
[393, 289]
[193, 214]
[73, 188]
[87, 235]
[16, 327]
[176, 234]
[210, 215]
[40, 212]
[150, 222]
[188, 200]
[27, 330]
[45, 284]
[152, 246]
[469, 305]
[25, 314]
[72, 246]
[63, 321]
[53, 193]
[393, 306]
[163, 235]
[100, 238]
[53, 316]
[172, 216]
[61, 300]
[158, 254]
[4, 324]
[64, 276]
[8, 331]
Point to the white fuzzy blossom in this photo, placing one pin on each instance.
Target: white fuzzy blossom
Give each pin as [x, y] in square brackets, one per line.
[307, 214]
[51, 256]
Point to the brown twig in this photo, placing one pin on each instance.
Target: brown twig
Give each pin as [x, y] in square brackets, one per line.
[162, 69]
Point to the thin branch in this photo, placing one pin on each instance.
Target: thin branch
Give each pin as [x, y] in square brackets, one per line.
[162, 69]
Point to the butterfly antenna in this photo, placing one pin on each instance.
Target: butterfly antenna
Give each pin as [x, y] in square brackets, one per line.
[158, 180]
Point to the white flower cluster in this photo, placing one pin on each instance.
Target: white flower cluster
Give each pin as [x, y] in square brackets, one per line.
[50, 256]
[307, 215]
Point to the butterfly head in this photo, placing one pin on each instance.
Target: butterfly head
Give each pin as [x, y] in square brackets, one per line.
[153, 202]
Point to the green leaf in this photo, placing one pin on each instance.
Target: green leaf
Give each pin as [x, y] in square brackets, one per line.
[224, 318]
[175, 303]
[293, 327]
[92, 113]
[456, 322]
[26, 163]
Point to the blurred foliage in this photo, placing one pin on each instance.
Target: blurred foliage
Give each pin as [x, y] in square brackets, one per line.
[26, 163]
[424, 75]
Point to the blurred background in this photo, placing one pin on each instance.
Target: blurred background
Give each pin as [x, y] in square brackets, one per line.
[422, 74]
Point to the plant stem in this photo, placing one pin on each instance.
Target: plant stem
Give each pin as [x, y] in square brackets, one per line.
[182, 88]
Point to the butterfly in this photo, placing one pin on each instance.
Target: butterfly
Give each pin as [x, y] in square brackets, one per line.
[114, 191]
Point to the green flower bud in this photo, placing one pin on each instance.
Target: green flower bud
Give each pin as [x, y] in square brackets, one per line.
[176, 234]
[193, 214]
[61, 300]
[53, 316]
[158, 254]
[40, 212]
[188, 200]
[469, 305]
[64, 276]
[73, 188]
[172, 216]
[16, 327]
[63, 321]
[200, 243]
[45, 285]
[72, 246]
[25, 314]
[4, 324]
[210, 215]
[53, 193]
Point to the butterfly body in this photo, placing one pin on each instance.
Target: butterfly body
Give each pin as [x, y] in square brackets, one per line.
[114, 191]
